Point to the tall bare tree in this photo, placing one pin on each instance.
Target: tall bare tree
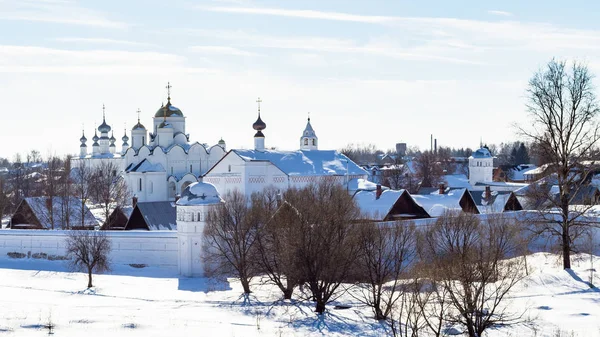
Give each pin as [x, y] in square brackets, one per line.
[82, 181]
[88, 251]
[5, 203]
[231, 234]
[428, 169]
[563, 107]
[108, 187]
[51, 188]
[385, 254]
[276, 258]
[471, 262]
[325, 244]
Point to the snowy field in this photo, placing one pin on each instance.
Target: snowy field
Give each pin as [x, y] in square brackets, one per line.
[154, 302]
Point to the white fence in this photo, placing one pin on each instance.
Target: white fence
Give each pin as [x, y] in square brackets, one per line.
[156, 248]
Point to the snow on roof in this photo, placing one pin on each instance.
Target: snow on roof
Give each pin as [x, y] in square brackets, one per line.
[40, 207]
[377, 209]
[537, 170]
[482, 153]
[518, 172]
[146, 166]
[360, 184]
[200, 193]
[456, 180]
[305, 163]
[436, 204]
[494, 204]
[159, 215]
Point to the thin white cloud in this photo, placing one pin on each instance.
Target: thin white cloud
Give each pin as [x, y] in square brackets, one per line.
[329, 45]
[101, 41]
[33, 59]
[53, 11]
[500, 13]
[306, 14]
[223, 50]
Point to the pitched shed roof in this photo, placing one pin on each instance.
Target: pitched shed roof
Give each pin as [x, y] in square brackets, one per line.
[391, 205]
[437, 204]
[39, 209]
[305, 162]
[498, 201]
[158, 215]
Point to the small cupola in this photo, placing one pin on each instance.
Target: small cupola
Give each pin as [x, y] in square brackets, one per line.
[259, 126]
[309, 140]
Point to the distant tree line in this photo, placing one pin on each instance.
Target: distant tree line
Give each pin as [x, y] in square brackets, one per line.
[54, 178]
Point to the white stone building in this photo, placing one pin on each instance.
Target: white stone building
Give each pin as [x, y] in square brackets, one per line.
[481, 166]
[192, 209]
[250, 171]
[161, 161]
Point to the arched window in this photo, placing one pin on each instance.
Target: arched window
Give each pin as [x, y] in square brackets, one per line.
[140, 185]
[192, 216]
[199, 216]
[305, 141]
[314, 141]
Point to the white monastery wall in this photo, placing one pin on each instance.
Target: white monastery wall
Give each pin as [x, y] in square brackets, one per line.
[156, 248]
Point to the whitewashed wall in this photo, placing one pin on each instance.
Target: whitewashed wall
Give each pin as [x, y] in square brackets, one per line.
[156, 248]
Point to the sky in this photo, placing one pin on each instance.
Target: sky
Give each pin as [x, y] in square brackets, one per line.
[368, 72]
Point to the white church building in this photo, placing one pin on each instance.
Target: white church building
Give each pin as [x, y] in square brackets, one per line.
[250, 171]
[161, 161]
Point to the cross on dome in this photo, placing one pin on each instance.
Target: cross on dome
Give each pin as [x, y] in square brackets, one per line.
[169, 86]
[259, 101]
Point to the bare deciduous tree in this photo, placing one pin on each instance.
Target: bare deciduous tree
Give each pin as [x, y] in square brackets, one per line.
[472, 264]
[108, 188]
[88, 251]
[231, 234]
[563, 107]
[325, 233]
[276, 258]
[82, 176]
[428, 169]
[385, 254]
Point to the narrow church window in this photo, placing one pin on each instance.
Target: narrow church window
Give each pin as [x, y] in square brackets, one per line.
[198, 216]
[151, 187]
[171, 170]
[314, 142]
[305, 141]
[140, 185]
[142, 141]
[190, 168]
[192, 216]
[229, 168]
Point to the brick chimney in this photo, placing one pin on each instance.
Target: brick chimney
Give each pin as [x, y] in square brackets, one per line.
[488, 192]
[378, 192]
[442, 188]
[134, 200]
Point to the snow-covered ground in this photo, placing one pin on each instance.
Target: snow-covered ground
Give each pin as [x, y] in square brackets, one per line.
[155, 302]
